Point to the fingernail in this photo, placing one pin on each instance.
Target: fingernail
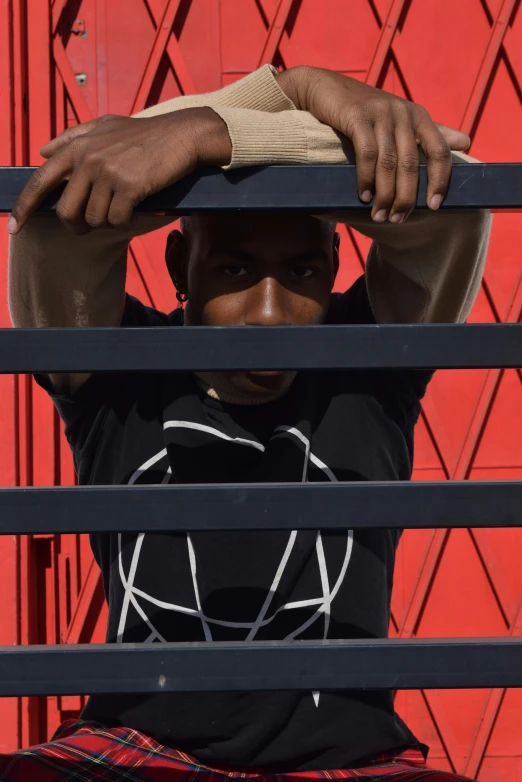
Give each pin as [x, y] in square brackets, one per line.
[366, 196]
[380, 216]
[435, 202]
[398, 217]
[12, 225]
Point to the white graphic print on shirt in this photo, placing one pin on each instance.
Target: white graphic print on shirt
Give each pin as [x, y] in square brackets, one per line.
[320, 605]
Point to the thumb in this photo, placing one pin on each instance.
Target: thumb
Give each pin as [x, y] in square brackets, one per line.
[68, 135]
[456, 139]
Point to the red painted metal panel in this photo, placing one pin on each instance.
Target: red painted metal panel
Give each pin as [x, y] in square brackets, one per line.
[10, 102]
[64, 61]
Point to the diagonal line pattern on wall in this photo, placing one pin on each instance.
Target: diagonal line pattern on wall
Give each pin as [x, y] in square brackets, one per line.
[460, 472]
[489, 713]
[487, 396]
[165, 42]
[383, 48]
[275, 31]
[161, 38]
[58, 7]
[478, 94]
[494, 697]
[85, 605]
[164, 35]
[490, 386]
[173, 52]
[440, 537]
[78, 103]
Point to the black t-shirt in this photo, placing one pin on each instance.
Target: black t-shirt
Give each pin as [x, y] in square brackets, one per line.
[230, 586]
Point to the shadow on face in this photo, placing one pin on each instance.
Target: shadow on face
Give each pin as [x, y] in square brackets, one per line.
[257, 269]
[241, 269]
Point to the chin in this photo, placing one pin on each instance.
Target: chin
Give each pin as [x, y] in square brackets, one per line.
[264, 383]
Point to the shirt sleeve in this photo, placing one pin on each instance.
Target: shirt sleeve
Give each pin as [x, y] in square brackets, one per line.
[84, 412]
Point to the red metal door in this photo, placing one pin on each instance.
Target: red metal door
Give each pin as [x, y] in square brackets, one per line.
[64, 61]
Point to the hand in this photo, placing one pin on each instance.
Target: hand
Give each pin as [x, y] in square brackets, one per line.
[386, 132]
[112, 163]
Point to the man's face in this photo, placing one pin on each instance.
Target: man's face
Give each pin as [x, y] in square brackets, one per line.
[257, 270]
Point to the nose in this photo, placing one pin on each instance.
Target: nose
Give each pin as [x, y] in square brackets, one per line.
[267, 305]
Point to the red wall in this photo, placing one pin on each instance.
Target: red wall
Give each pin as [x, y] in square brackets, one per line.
[462, 59]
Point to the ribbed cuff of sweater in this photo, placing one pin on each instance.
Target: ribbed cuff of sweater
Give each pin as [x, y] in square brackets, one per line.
[258, 91]
[259, 138]
[288, 137]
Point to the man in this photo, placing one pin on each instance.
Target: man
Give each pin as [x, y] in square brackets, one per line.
[243, 426]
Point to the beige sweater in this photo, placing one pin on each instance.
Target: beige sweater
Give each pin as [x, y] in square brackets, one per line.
[425, 270]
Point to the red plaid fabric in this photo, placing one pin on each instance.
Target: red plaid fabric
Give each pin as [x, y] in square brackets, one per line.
[89, 752]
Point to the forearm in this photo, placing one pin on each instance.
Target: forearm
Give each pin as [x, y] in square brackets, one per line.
[84, 275]
[447, 255]
[60, 279]
[428, 269]
[425, 270]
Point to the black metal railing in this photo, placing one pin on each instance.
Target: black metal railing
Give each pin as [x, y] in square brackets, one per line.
[310, 665]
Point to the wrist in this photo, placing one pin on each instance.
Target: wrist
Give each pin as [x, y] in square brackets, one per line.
[213, 145]
[295, 82]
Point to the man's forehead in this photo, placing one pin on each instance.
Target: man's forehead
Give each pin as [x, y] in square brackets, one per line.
[266, 227]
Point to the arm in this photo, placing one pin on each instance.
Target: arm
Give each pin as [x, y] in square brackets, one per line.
[423, 267]
[45, 253]
[62, 278]
[59, 278]
[290, 136]
[428, 267]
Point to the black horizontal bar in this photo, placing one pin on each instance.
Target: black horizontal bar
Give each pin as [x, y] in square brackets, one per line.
[301, 665]
[314, 189]
[194, 348]
[261, 506]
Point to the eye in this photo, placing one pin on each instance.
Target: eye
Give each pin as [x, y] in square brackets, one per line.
[234, 270]
[304, 272]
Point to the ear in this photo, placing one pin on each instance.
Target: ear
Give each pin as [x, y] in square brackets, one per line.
[176, 256]
[335, 253]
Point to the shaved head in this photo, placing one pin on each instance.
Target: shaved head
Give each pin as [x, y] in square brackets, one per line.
[189, 226]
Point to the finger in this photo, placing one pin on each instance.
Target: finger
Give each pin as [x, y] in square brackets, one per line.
[121, 211]
[72, 205]
[386, 170]
[45, 179]
[365, 146]
[68, 135]
[407, 181]
[97, 209]
[438, 160]
[456, 139]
